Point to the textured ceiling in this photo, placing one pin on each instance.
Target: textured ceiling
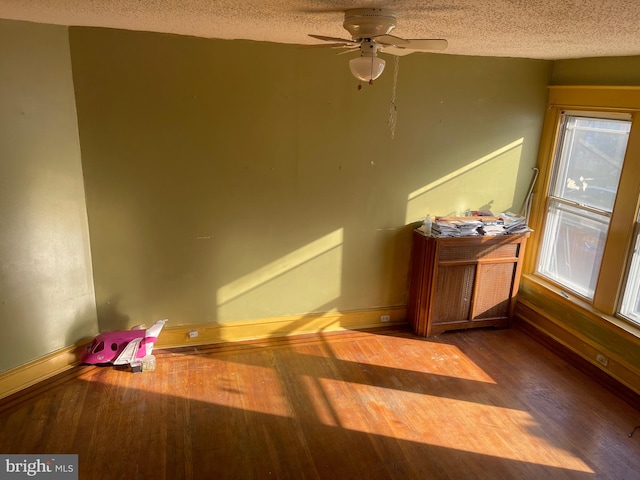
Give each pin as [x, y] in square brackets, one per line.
[545, 29]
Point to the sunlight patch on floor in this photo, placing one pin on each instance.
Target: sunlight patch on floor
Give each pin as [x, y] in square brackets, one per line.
[454, 413]
[485, 428]
[440, 359]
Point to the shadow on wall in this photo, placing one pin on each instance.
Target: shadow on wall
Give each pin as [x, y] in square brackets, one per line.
[493, 176]
[312, 278]
[110, 317]
[77, 329]
[320, 259]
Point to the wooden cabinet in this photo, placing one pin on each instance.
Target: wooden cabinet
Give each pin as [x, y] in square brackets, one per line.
[463, 282]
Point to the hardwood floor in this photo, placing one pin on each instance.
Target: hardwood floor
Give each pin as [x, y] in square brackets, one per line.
[373, 404]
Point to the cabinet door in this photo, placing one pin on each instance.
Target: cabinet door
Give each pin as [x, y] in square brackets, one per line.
[453, 293]
[493, 290]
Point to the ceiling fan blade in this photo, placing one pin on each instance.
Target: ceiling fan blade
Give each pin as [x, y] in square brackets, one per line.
[397, 51]
[390, 40]
[426, 44]
[329, 45]
[349, 50]
[332, 39]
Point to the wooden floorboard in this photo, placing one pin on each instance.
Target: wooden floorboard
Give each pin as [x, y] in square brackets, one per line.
[376, 404]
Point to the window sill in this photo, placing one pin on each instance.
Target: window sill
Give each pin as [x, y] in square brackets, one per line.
[555, 293]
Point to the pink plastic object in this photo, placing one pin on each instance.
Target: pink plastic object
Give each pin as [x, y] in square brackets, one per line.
[122, 347]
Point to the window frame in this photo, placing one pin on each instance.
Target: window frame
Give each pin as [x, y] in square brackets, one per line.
[560, 202]
[608, 102]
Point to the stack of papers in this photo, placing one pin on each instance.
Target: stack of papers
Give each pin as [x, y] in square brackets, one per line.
[489, 225]
[492, 229]
[444, 229]
[456, 226]
[514, 223]
[469, 227]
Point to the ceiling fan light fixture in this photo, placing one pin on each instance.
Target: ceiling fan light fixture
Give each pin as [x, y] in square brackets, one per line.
[367, 67]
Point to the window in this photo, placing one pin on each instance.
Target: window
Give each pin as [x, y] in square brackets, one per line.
[630, 307]
[585, 212]
[586, 171]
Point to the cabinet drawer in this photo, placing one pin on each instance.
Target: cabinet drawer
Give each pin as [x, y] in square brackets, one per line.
[476, 252]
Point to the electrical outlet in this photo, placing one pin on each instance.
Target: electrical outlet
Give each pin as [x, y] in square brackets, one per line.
[602, 360]
[385, 318]
[193, 333]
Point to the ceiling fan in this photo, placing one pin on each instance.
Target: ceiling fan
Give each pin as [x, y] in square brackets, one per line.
[370, 31]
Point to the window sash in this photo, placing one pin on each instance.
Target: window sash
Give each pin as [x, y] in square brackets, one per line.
[572, 247]
[589, 147]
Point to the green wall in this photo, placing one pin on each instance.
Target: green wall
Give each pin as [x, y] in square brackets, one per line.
[230, 180]
[597, 71]
[46, 289]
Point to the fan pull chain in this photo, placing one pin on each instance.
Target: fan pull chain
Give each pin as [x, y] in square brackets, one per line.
[393, 111]
[371, 79]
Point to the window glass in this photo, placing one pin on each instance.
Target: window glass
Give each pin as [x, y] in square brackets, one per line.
[590, 161]
[582, 193]
[572, 247]
[99, 347]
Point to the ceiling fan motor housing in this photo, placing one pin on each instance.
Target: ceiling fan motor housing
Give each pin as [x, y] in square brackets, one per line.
[369, 22]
